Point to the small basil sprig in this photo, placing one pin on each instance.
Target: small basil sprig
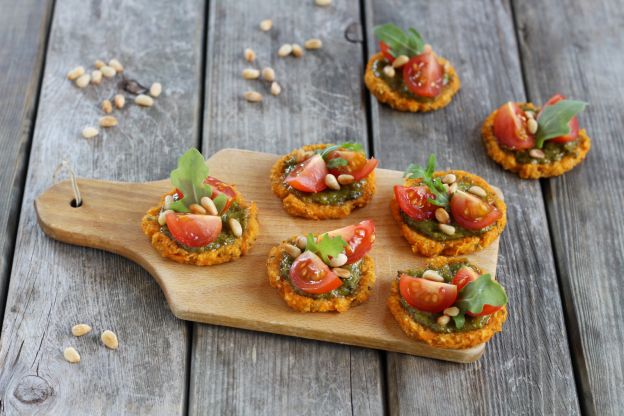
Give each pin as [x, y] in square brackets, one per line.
[325, 247]
[339, 161]
[189, 179]
[435, 185]
[476, 294]
[553, 120]
[408, 43]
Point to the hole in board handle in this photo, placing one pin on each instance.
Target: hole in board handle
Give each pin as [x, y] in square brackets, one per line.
[74, 204]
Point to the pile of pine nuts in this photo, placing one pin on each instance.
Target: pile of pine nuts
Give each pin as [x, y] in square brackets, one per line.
[108, 338]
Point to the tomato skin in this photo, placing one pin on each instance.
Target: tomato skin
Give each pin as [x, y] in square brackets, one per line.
[472, 212]
[510, 127]
[368, 167]
[358, 166]
[385, 51]
[194, 230]
[413, 201]
[360, 238]
[423, 75]
[464, 276]
[573, 124]
[487, 310]
[309, 274]
[309, 176]
[219, 188]
[426, 295]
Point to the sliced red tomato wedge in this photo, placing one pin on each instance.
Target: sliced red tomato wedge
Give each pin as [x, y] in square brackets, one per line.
[413, 201]
[487, 310]
[423, 75]
[357, 164]
[426, 295]
[309, 175]
[359, 237]
[510, 127]
[194, 230]
[368, 167]
[385, 51]
[221, 188]
[464, 276]
[471, 212]
[309, 274]
[573, 124]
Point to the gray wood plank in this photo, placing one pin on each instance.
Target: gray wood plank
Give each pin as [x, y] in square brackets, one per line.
[527, 368]
[23, 32]
[55, 286]
[574, 47]
[242, 372]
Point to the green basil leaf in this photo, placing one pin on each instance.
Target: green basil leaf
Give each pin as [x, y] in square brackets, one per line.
[553, 120]
[480, 292]
[408, 43]
[459, 320]
[189, 177]
[178, 206]
[355, 147]
[435, 185]
[334, 163]
[220, 201]
[325, 246]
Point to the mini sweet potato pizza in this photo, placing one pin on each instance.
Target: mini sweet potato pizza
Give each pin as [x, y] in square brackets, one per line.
[448, 304]
[203, 221]
[448, 212]
[407, 74]
[330, 272]
[537, 142]
[322, 181]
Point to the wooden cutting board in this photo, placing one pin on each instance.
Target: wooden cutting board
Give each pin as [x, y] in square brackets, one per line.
[237, 294]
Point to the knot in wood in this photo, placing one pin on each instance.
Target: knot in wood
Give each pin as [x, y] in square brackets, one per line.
[33, 390]
[353, 33]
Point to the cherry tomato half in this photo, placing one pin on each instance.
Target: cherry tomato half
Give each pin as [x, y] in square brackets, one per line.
[464, 276]
[309, 175]
[573, 124]
[426, 295]
[360, 238]
[423, 75]
[510, 127]
[385, 51]
[194, 230]
[355, 161]
[471, 212]
[413, 201]
[221, 188]
[309, 274]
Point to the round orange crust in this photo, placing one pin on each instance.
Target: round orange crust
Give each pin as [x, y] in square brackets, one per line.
[299, 208]
[305, 304]
[507, 159]
[456, 340]
[428, 247]
[168, 248]
[387, 95]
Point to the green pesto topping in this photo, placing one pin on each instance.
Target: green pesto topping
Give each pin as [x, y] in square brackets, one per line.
[553, 152]
[396, 83]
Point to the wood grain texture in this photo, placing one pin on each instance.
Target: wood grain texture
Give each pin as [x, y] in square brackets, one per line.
[322, 101]
[23, 32]
[574, 47]
[234, 294]
[527, 369]
[55, 286]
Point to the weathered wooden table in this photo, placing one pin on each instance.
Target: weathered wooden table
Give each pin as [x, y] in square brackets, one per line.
[560, 256]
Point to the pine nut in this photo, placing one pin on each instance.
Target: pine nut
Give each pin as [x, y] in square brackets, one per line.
[89, 132]
[537, 154]
[389, 71]
[108, 121]
[443, 320]
[427, 48]
[453, 188]
[155, 89]
[339, 260]
[532, 125]
[400, 61]
[302, 242]
[268, 74]
[209, 205]
[297, 50]
[253, 96]
[447, 229]
[197, 209]
[342, 273]
[162, 217]
[99, 63]
[80, 330]
[108, 71]
[452, 311]
[530, 114]
[442, 216]
[168, 201]
[478, 191]
[250, 55]
[432, 275]
[144, 100]
[116, 65]
[75, 73]
[449, 178]
[323, 3]
[235, 226]
[251, 73]
[285, 50]
[107, 106]
[345, 179]
[71, 355]
[96, 77]
[313, 43]
[275, 88]
[83, 80]
[332, 182]
[120, 101]
[266, 25]
[292, 251]
[110, 339]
